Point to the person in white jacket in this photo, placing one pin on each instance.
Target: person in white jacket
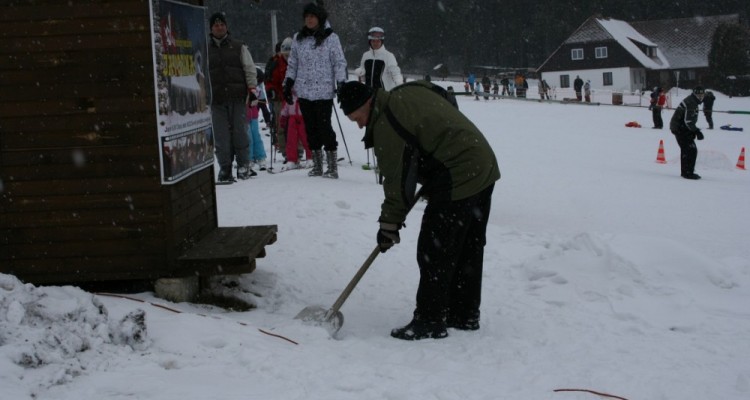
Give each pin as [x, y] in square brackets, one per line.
[378, 68]
[316, 68]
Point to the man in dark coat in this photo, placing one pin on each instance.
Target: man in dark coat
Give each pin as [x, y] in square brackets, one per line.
[420, 138]
[233, 82]
[577, 86]
[683, 127]
[708, 108]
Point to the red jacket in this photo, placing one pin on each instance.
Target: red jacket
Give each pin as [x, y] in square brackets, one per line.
[275, 77]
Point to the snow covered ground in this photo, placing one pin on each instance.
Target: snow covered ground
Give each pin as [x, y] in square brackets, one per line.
[604, 271]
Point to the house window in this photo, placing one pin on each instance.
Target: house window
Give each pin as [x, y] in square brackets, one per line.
[690, 74]
[600, 52]
[651, 51]
[576, 54]
[607, 78]
[564, 81]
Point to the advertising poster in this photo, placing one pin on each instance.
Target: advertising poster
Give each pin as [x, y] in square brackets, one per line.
[183, 90]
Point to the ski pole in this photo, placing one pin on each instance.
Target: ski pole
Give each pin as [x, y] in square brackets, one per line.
[342, 134]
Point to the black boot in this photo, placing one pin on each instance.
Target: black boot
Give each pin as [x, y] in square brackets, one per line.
[225, 175]
[419, 329]
[332, 171]
[463, 324]
[317, 169]
[691, 175]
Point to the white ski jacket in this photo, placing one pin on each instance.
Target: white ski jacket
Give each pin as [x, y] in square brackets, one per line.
[379, 69]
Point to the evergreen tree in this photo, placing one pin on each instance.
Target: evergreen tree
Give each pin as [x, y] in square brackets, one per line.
[730, 56]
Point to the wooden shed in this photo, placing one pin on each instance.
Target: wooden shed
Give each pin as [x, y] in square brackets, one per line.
[82, 196]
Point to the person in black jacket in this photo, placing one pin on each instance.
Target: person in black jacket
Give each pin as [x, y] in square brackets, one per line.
[708, 108]
[577, 86]
[685, 131]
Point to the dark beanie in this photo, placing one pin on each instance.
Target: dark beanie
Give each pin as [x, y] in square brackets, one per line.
[353, 95]
[317, 9]
[217, 17]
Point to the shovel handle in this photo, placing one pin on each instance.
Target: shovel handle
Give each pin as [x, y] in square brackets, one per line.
[355, 280]
[350, 287]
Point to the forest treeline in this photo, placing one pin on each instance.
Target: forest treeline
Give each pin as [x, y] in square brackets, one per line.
[460, 34]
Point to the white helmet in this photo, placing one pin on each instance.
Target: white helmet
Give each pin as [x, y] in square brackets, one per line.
[376, 32]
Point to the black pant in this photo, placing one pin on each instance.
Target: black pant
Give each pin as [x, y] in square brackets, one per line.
[709, 118]
[688, 151]
[656, 114]
[450, 254]
[317, 116]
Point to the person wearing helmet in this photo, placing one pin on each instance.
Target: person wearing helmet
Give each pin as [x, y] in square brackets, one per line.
[378, 68]
[685, 131]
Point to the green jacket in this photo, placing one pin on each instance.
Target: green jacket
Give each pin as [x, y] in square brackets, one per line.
[419, 137]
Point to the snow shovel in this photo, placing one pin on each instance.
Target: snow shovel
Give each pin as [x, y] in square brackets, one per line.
[332, 319]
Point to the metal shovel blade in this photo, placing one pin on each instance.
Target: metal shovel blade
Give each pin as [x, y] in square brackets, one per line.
[319, 316]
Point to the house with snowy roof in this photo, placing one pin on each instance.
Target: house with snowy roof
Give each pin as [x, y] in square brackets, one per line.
[629, 56]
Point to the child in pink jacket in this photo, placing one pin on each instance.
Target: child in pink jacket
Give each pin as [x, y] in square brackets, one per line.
[291, 119]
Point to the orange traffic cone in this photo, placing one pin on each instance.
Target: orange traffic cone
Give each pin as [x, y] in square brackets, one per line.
[741, 160]
[660, 155]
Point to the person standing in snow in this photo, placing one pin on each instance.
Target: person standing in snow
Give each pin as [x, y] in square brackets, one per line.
[708, 108]
[233, 82]
[685, 131]
[587, 91]
[275, 75]
[658, 100]
[577, 86]
[316, 68]
[257, 152]
[378, 67]
[419, 137]
[291, 120]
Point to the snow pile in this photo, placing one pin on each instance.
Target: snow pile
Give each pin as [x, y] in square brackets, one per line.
[52, 328]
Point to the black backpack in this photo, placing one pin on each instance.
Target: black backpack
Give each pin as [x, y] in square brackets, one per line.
[429, 85]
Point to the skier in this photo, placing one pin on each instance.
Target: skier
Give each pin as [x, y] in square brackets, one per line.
[419, 137]
[275, 74]
[378, 67]
[291, 120]
[685, 131]
[316, 68]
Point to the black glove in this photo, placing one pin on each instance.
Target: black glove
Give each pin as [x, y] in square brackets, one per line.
[339, 84]
[388, 236]
[288, 84]
[699, 135]
[271, 94]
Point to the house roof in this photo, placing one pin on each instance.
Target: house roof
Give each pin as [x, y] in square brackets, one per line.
[606, 29]
[627, 37]
[685, 42]
[680, 43]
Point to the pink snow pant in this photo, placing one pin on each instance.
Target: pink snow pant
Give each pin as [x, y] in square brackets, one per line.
[295, 132]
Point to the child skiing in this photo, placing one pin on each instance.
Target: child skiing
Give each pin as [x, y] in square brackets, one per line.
[292, 122]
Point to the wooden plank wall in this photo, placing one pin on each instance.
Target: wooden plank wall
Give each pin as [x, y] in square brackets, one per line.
[80, 191]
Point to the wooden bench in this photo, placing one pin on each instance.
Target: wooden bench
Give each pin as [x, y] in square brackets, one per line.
[227, 251]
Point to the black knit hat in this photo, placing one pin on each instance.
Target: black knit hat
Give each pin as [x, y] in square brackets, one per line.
[353, 95]
[317, 9]
[219, 16]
